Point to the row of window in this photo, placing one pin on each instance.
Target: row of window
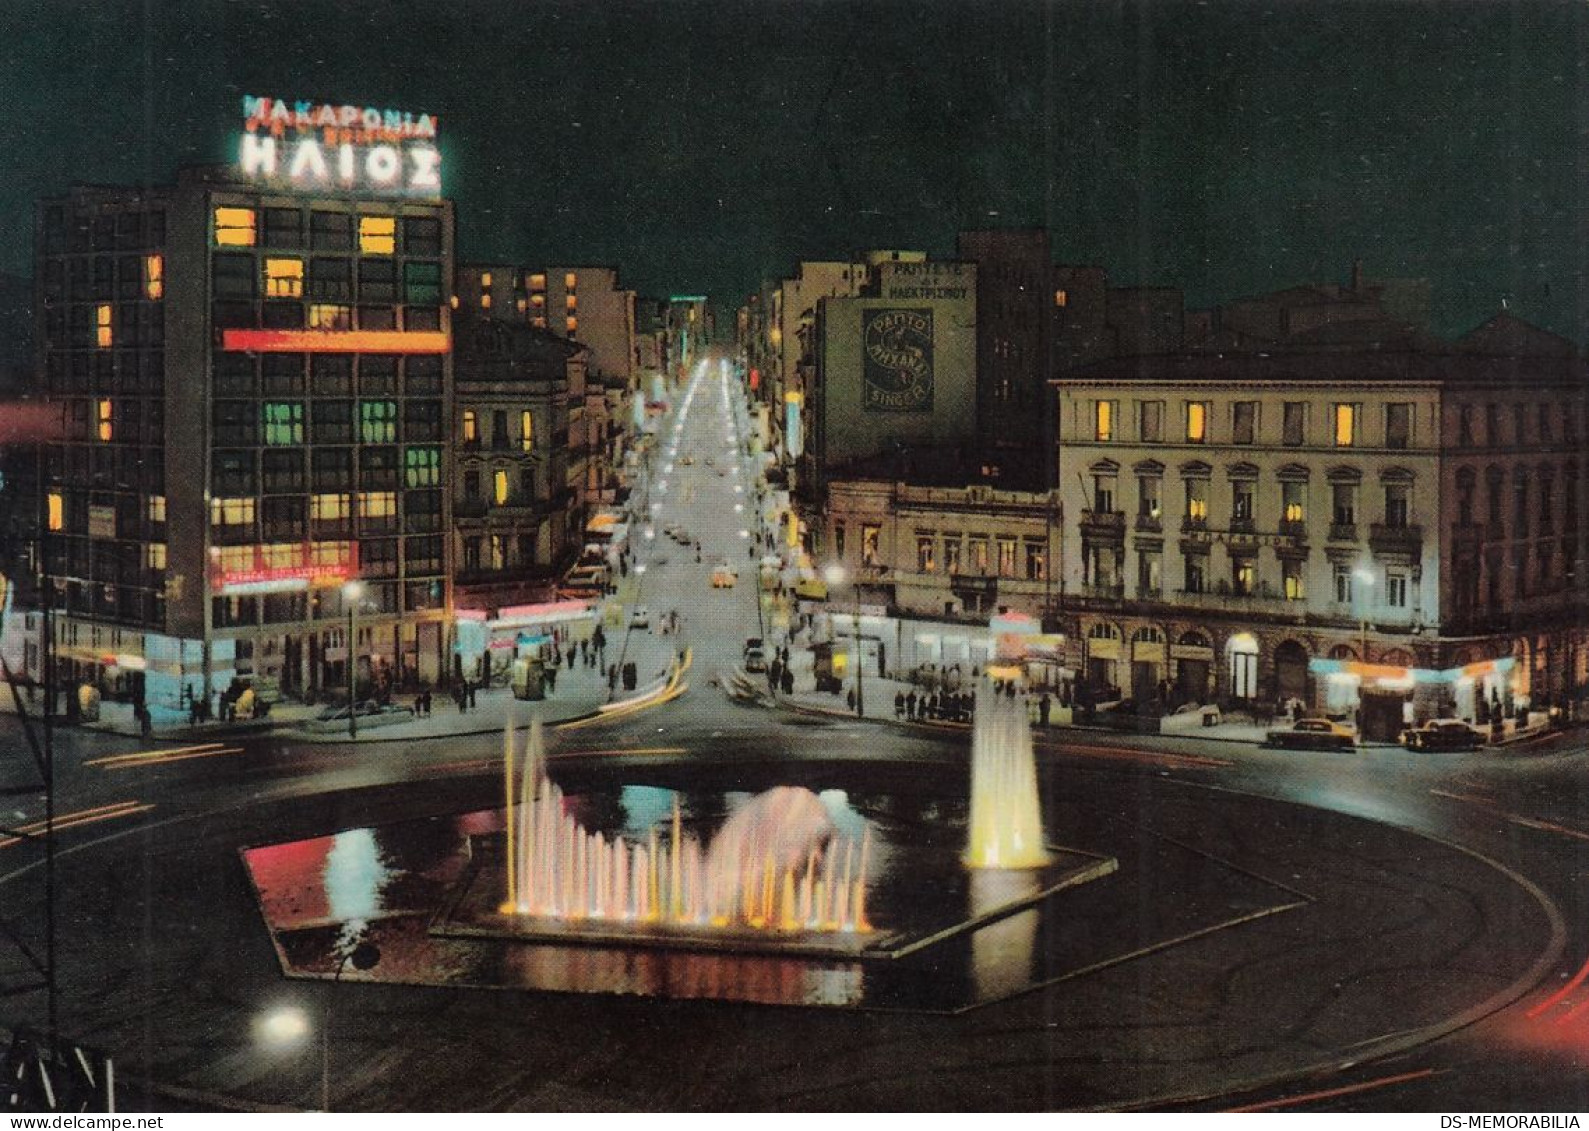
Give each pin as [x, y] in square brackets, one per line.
[104, 277]
[232, 314]
[284, 228]
[957, 553]
[1556, 421]
[236, 473]
[502, 487]
[67, 231]
[105, 371]
[524, 440]
[380, 598]
[1243, 512]
[498, 552]
[288, 423]
[1358, 586]
[1533, 493]
[290, 374]
[1532, 569]
[376, 557]
[244, 276]
[102, 325]
[1197, 417]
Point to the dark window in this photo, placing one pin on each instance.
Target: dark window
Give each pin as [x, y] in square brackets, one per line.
[1244, 422]
[1465, 426]
[378, 468]
[232, 473]
[330, 231]
[284, 517]
[422, 283]
[422, 318]
[283, 470]
[1293, 416]
[330, 279]
[234, 275]
[282, 374]
[331, 375]
[234, 374]
[421, 235]
[333, 421]
[1398, 425]
[377, 280]
[283, 315]
[377, 318]
[283, 228]
[233, 315]
[332, 468]
[422, 376]
[236, 423]
[421, 420]
[377, 376]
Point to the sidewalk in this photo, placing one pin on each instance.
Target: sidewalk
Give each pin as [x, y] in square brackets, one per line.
[580, 691]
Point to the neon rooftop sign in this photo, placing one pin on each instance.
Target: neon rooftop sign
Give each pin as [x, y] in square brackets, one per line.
[324, 145]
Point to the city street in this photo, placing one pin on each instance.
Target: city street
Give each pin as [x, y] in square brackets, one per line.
[1428, 941]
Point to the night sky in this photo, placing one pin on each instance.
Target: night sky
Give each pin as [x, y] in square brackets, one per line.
[1223, 147]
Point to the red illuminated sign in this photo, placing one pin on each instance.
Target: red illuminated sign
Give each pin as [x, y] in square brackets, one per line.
[261, 578]
[335, 341]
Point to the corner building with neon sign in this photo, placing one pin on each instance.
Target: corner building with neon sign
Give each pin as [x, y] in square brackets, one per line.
[254, 371]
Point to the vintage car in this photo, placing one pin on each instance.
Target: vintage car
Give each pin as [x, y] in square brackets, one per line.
[1442, 734]
[1312, 734]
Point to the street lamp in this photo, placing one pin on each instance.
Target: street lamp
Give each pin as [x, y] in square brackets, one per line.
[352, 592]
[364, 957]
[834, 575]
[1366, 577]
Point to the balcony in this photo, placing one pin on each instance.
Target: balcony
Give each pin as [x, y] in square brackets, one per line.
[1149, 524]
[469, 508]
[1405, 541]
[1103, 524]
[1294, 528]
[1108, 591]
[1343, 532]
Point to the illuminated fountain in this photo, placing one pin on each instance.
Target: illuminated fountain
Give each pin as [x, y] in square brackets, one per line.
[1006, 818]
[775, 865]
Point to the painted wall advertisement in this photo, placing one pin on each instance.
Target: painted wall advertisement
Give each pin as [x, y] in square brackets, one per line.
[896, 372]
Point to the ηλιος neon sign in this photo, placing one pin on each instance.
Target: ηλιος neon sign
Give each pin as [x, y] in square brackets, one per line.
[322, 145]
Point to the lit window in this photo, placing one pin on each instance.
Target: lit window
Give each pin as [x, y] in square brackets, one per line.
[377, 504]
[1294, 579]
[102, 331]
[283, 422]
[330, 553]
[231, 512]
[1103, 420]
[281, 555]
[1292, 501]
[573, 326]
[485, 280]
[1196, 422]
[527, 431]
[234, 227]
[327, 507]
[154, 276]
[422, 466]
[570, 281]
[377, 422]
[234, 559]
[283, 278]
[573, 302]
[154, 555]
[520, 304]
[471, 427]
[155, 508]
[538, 323]
[1345, 425]
[499, 486]
[106, 425]
[330, 316]
[57, 511]
[377, 235]
[538, 283]
[1061, 298]
[485, 301]
[537, 300]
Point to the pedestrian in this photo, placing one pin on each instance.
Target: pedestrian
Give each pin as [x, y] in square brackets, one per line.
[584, 649]
[1043, 707]
[788, 682]
[899, 704]
[849, 697]
[910, 704]
[461, 698]
[612, 678]
[471, 688]
[551, 679]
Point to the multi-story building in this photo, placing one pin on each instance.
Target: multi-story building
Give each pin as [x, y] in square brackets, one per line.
[514, 514]
[253, 367]
[1381, 533]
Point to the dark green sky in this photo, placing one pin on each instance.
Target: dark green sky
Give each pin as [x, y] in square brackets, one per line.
[1224, 147]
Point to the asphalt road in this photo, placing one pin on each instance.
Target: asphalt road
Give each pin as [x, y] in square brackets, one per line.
[1433, 960]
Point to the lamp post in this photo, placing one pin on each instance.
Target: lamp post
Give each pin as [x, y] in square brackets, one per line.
[1365, 577]
[835, 577]
[364, 956]
[351, 593]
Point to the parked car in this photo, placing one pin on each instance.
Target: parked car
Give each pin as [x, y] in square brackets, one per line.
[640, 617]
[755, 656]
[723, 577]
[1442, 734]
[1312, 734]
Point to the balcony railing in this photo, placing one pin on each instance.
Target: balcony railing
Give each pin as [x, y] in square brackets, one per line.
[1293, 528]
[1386, 539]
[1111, 591]
[1343, 532]
[1108, 523]
[1150, 523]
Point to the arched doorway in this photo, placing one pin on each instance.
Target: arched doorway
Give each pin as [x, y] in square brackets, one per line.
[1241, 653]
[1103, 661]
[1147, 664]
[1291, 672]
[1194, 659]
